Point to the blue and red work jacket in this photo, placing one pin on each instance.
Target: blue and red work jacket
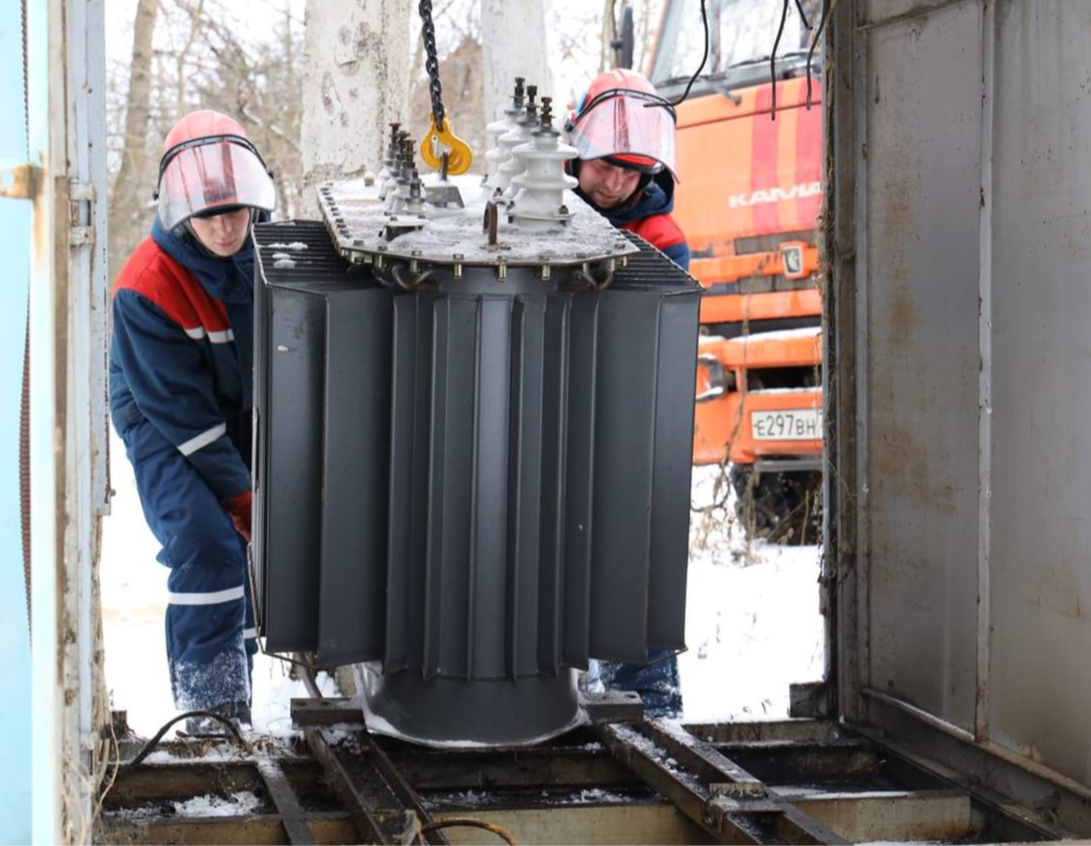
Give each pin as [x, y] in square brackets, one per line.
[648, 214]
[181, 358]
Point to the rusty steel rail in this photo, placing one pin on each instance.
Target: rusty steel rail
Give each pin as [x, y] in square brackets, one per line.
[717, 794]
[291, 812]
[384, 807]
[735, 783]
[402, 789]
[353, 798]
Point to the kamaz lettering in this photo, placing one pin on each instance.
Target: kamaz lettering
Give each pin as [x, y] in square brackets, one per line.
[775, 195]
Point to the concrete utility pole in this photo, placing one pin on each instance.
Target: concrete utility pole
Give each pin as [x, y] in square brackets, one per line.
[356, 82]
[513, 34]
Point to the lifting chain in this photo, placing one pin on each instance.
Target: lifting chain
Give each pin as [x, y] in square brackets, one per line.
[431, 61]
[439, 142]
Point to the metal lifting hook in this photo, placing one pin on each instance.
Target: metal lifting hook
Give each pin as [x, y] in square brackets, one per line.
[439, 138]
[437, 141]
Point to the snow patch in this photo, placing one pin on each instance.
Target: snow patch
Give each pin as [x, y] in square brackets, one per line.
[225, 750]
[597, 796]
[480, 798]
[463, 798]
[240, 804]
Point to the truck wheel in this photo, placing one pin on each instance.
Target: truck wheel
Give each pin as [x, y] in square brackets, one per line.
[783, 508]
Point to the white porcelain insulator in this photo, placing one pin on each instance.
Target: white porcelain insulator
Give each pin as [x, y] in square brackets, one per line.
[539, 191]
[397, 199]
[390, 186]
[513, 165]
[415, 206]
[497, 154]
[382, 179]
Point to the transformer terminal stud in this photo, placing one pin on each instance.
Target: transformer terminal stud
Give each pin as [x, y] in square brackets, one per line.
[388, 159]
[396, 165]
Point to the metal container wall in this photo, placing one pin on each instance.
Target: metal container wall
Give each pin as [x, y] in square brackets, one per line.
[959, 313]
[488, 482]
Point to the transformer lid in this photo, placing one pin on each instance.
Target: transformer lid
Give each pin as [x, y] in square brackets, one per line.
[356, 218]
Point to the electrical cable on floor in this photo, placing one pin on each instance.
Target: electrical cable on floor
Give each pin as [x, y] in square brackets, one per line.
[470, 822]
[151, 744]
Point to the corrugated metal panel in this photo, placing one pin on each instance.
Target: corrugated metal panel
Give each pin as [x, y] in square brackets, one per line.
[354, 476]
[291, 322]
[538, 475]
[923, 184]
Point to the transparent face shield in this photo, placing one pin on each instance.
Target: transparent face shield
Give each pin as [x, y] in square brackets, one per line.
[631, 126]
[224, 172]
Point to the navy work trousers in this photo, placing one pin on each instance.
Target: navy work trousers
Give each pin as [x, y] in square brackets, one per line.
[211, 638]
[657, 682]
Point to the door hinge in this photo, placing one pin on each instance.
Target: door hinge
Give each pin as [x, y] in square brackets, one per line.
[81, 196]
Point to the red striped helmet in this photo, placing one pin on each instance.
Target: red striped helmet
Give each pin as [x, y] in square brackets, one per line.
[210, 167]
[623, 119]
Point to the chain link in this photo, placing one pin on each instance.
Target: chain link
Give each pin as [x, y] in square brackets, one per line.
[431, 62]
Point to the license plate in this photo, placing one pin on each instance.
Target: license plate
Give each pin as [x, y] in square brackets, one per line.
[802, 424]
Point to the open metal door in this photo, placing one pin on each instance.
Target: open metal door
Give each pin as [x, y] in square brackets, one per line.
[960, 213]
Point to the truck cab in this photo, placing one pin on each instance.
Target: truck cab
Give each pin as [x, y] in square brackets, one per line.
[749, 157]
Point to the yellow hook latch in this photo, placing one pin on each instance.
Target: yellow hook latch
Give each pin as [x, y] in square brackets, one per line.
[437, 141]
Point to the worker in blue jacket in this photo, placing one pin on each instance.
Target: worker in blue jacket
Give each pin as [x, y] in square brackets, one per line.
[181, 394]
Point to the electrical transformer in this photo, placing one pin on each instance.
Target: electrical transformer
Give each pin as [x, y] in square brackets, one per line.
[473, 437]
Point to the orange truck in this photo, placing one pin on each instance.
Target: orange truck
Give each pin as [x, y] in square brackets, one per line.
[748, 201]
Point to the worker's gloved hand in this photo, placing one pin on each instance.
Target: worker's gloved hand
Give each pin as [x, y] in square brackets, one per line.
[238, 507]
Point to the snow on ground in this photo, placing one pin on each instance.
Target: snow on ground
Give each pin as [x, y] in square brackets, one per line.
[751, 630]
[752, 620]
[752, 624]
[238, 805]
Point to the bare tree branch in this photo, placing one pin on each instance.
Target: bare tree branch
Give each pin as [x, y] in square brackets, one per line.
[138, 103]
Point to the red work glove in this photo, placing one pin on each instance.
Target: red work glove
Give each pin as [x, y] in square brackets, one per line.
[238, 508]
